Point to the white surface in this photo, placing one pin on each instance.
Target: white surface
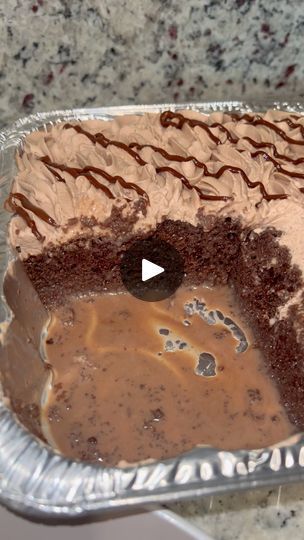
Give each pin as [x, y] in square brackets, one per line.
[157, 525]
[150, 270]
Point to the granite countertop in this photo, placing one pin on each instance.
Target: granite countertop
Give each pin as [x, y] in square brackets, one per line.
[60, 54]
[265, 514]
[57, 54]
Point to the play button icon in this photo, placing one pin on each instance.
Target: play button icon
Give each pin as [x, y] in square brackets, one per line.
[151, 269]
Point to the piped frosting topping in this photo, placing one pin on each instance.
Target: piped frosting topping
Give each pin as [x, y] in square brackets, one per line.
[159, 166]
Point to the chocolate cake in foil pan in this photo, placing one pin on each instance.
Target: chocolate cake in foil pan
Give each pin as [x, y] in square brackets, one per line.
[34, 478]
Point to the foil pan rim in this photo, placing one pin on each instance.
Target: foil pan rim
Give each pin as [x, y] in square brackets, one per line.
[36, 481]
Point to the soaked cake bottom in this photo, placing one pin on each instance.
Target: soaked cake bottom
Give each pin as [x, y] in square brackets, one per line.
[133, 380]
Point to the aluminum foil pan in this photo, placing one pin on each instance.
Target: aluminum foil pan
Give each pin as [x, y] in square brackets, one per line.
[36, 481]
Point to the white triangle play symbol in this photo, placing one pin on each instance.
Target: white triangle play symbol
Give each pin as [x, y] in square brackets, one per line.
[150, 270]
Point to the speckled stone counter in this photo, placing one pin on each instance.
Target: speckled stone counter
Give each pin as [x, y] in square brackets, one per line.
[268, 514]
[61, 54]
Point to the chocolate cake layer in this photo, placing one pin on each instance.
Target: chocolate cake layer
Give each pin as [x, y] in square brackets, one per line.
[92, 264]
[264, 280]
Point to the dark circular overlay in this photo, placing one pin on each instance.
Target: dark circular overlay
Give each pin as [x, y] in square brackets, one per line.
[158, 252]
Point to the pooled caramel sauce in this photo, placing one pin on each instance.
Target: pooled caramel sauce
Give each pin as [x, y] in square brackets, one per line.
[134, 380]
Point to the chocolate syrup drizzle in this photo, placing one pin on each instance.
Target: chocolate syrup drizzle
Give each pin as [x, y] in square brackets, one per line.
[278, 166]
[101, 139]
[292, 124]
[167, 119]
[218, 174]
[86, 172]
[177, 120]
[58, 176]
[105, 142]
[257, 120]
[274, 149]
[27, 205]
